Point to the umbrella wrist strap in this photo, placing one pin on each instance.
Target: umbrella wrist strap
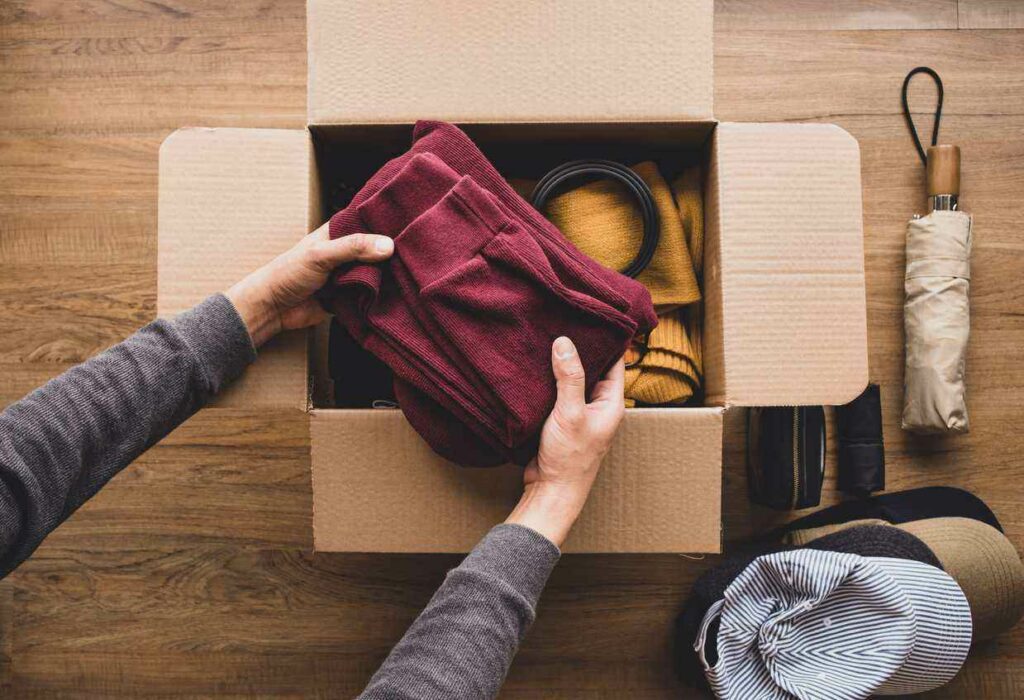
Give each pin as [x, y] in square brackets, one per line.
[938, 110]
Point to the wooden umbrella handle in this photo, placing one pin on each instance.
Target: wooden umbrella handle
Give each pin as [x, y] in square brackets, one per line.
[943, 170]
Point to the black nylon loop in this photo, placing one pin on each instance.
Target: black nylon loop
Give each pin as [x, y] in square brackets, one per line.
[938, 110]
[615, 171]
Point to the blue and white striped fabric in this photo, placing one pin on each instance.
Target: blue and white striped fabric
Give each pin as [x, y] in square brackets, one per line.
[815, 624]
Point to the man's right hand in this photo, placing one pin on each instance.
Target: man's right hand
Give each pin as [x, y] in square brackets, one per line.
[573, 443]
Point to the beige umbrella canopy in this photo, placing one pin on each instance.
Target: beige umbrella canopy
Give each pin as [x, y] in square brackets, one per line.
[936, 310]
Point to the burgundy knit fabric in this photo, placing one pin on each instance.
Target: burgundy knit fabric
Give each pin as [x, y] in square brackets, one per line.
[466, 310]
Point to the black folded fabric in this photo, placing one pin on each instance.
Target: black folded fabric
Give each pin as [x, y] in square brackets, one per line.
[360, 379]
[861, 451]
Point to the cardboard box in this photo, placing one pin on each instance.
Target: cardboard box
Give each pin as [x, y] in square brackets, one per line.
[784, 263]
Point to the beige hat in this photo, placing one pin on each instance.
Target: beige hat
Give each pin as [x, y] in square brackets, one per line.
[984, 563]
[798, 538]
[979, 558]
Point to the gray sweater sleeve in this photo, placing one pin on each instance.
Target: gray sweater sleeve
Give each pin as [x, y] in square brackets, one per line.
[462, 644]
[60, 444]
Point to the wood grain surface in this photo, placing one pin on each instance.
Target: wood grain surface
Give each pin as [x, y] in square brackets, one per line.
[191, 573]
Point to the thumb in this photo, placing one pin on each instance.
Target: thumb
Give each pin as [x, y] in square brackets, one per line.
[365, 247]
[570, 378]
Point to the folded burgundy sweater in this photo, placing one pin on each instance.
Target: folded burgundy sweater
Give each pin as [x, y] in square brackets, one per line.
[466, 310]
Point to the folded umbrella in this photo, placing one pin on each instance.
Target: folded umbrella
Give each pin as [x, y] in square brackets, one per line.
[936, 313]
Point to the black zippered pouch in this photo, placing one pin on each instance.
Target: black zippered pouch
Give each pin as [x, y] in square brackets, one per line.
[786, 456]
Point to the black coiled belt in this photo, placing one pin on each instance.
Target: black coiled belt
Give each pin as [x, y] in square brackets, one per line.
[616, 171]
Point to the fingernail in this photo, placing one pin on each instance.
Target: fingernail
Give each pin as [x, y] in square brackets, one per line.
[384, 244]
[564, 348]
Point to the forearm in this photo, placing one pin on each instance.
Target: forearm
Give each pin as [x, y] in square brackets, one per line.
[61, 443]
[549, 510]
[462, 644]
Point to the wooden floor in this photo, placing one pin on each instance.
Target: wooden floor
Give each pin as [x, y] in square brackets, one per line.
[192, 573]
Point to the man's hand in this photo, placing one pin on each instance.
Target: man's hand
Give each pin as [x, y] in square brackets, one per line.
[573, 443]
[279, 295]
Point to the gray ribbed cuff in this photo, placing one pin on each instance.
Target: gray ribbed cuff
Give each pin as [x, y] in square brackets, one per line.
[517, 555]
[218, 337]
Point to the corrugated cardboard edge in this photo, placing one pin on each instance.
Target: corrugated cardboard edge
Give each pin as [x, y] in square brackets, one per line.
[659, 490]
[713, 336]
[532, 61]
[787, 265]
[320, 390]
[231, 200]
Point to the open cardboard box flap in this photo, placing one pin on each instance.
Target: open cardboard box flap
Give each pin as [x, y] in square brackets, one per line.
[786, 317]
[230, 200]
[784, 277]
